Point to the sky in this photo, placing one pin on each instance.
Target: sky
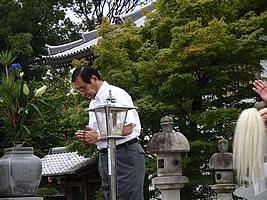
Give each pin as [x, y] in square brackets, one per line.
[75, 19]
[72, 16]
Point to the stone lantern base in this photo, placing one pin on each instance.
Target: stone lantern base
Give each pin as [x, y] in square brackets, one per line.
[224, 191]
[170, 186]
[21, 198]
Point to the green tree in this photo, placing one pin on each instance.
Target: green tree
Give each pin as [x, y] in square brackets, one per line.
[92, 12]
[195, 61]
[27, 25]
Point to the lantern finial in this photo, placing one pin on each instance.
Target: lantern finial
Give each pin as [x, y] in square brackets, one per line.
[110, 98]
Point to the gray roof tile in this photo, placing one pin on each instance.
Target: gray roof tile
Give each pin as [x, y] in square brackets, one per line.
[63, 163]
[90, 39]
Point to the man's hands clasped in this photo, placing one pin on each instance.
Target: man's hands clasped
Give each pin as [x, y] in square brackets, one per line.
[87, 136]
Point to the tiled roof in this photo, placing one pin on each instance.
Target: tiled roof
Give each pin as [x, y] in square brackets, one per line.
[136, 15]
[89, 39]
[63, 163]
[76, 49]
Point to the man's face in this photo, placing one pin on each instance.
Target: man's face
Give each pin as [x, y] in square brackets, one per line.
[86, 90]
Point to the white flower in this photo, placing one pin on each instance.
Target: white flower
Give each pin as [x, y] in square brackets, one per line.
[73, 91]
[26, 90]
[40, 91]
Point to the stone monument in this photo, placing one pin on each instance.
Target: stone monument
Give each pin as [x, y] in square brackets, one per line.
[168, 146]
[222, 165]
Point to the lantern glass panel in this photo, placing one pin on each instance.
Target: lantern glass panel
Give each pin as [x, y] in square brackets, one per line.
[117, 121]
[115, 118]
[101, 122]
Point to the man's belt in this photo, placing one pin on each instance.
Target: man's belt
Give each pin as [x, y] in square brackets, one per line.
[132, 141]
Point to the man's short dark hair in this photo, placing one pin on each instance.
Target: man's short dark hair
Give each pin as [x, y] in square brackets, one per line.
[85, 72]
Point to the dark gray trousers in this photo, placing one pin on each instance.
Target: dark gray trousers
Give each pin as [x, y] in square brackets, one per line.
[130, 172]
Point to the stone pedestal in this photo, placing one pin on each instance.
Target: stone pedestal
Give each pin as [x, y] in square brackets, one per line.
[170, 186]
[21, 198]
[222, 165]
[224, 191]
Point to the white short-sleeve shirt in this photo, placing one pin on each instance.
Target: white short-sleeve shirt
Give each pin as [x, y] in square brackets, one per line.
[123, 98]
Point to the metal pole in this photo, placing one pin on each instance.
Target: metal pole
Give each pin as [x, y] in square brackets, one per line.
[113, 169]
[112, 165]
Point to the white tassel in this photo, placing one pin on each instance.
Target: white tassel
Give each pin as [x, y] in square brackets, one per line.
[249, 146]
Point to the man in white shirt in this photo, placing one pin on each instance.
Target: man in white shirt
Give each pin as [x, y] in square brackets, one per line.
[130, 155]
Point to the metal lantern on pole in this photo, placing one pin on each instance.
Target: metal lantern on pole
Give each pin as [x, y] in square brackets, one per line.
[111, 118]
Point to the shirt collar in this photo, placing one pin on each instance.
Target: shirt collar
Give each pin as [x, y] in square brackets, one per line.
[100, 93]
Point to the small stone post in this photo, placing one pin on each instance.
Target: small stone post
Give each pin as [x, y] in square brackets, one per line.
[168, 146]
[222, 164]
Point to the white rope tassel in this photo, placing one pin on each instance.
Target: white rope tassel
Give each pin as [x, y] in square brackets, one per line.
[248, 147]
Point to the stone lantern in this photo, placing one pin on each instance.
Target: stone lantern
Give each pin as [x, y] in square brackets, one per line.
[168, 146]
[222, 165]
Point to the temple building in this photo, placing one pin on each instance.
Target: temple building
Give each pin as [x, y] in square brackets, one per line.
[62, 55]
[71, 175]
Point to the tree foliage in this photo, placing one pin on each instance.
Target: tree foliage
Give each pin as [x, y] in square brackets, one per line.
[193, 60]
[92, 12]
[27, 25]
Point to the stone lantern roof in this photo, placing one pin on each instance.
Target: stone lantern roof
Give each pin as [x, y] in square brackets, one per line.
[168, 140]
[222, 160]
